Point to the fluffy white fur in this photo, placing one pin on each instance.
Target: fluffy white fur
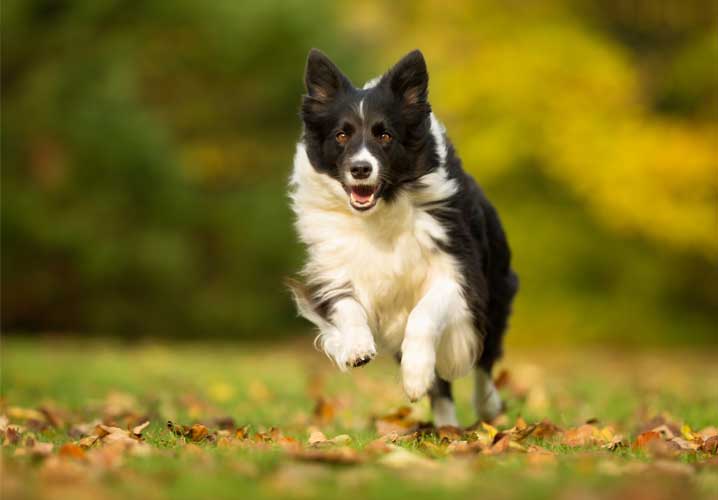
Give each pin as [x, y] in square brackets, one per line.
[487, 400]
[444, 412]
[405, 292]
[372, 83]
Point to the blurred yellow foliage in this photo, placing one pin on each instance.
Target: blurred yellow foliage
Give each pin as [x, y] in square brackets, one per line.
[526, 84]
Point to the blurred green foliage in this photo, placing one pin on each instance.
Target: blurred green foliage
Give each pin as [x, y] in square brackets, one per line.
[146, 147]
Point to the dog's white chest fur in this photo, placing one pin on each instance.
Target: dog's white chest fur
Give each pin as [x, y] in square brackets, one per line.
[386, 259]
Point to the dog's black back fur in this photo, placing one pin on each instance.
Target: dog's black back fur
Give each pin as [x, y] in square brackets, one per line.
[478, 242]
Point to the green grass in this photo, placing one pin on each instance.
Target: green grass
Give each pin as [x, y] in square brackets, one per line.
[277, 385]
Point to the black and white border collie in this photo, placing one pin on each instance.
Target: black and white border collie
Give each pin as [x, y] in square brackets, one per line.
[404, 249]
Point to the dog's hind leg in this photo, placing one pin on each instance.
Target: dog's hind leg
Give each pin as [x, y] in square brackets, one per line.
[486, 398]
[442, 403]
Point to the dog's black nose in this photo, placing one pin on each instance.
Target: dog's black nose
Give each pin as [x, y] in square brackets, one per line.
[360, 170]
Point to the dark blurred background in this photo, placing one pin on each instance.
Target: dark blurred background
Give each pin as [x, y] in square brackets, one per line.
[146, 148]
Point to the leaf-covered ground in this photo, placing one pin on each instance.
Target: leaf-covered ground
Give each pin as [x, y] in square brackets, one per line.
[265, 421]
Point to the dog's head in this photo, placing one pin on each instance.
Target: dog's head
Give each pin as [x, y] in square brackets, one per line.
[376, 140]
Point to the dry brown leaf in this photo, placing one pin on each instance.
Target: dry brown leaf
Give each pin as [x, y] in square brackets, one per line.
[685, 445]
[78, 431]
[664, 431]
[72, 450]
[341, 439]
[400, 458]
[521, 430]
[198, 432]
[12, 435]
[341, 455]
[584, 435]
[708, 432]
[449, 433]
[195, 432]
[242, 432]
[660, 421]
[17, 413]
[316, 437]
[710, 445]
[644, 438]
[502, 445]
[137, 430]
[616, 443]
[399, 422]
[545, 429]
[52, 416]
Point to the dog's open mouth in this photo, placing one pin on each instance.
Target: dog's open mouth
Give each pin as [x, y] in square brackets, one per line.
[363, 197]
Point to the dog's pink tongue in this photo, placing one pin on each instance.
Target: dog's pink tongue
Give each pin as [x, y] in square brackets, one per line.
[362, 194]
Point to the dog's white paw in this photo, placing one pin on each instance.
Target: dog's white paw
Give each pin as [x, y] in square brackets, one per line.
[418, 364]
[349, 349]
[487, 400]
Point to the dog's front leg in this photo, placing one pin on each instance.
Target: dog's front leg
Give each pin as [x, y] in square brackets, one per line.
[424, 328]
[348, 339]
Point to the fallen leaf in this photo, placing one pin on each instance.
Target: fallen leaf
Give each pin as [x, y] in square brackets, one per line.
[545, 429]
[501, 446]
[52, 416]
[341, 455]
[400, 458]
[710, 445]
[616, 443]
[12, 436]
[584, 435]
[17, 413]
[664, 431]
[685, 445]
[72, 450]
[198, 432]
[490, 430]
[341, 439]
[448, 433]
[137, 430]
[708, 432]
[316, 437]
[644, 438]
[398, 422]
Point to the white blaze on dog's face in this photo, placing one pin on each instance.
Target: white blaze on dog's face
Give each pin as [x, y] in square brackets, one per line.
[372, 140]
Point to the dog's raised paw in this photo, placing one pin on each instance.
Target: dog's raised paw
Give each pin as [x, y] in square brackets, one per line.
[361, 361]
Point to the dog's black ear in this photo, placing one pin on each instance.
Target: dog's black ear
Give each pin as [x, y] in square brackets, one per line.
[409, 81]
[324, 81]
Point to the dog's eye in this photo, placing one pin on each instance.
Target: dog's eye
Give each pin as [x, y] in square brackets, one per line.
[342, 138]
[385, 138]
